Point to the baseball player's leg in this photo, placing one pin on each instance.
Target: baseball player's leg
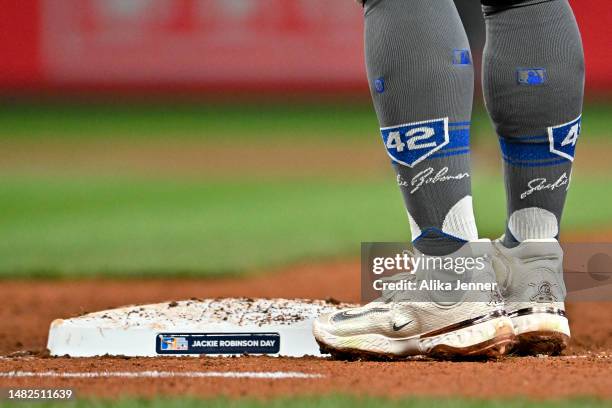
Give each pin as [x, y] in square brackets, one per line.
[421, 78]
[533, 79]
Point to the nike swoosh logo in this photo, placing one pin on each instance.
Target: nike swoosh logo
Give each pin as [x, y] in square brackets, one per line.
[398, 328]
[345, 315]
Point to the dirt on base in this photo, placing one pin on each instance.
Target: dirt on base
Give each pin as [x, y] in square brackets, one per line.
[30, 306]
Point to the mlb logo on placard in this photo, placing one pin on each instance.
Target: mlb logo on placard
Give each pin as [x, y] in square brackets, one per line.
[174, 343]
[563, 138]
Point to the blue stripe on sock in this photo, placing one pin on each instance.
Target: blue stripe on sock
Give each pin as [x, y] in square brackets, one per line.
[538, 154]
[458, 138]
[447, 154]
[459, 143]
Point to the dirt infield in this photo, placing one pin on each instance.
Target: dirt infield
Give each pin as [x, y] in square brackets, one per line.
[29, 307]
[532, 377]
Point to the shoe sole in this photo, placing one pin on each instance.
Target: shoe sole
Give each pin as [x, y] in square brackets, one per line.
[540, 333]
[487, 337]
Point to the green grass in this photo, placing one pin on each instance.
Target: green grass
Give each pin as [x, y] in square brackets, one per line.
[322, 402]
[188, 121]
[255, 122]
[60, 227]
[56, 226]
[122, 227]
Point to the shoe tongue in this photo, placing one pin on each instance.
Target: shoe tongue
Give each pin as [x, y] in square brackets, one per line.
[388, 294]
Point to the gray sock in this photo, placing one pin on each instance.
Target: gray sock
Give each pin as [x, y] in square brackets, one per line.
[533, 80]
[421, 79]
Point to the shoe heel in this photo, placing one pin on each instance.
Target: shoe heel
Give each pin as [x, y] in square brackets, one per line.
[541, 343]
[541, 333]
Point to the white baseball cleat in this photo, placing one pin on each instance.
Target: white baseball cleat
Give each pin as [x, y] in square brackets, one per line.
[530, 278]
[424, 323]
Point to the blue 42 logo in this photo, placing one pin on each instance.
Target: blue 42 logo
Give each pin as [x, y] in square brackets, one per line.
[563, 138]
[412, 143]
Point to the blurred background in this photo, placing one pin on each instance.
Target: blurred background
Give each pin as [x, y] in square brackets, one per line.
[213, 137]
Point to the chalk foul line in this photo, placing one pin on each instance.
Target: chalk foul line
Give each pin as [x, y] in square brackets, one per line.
[266, 375]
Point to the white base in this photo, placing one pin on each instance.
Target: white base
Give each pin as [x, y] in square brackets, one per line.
[133, 331]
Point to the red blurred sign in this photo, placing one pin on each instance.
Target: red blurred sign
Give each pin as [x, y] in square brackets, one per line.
[202, 41]
[262, 44]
